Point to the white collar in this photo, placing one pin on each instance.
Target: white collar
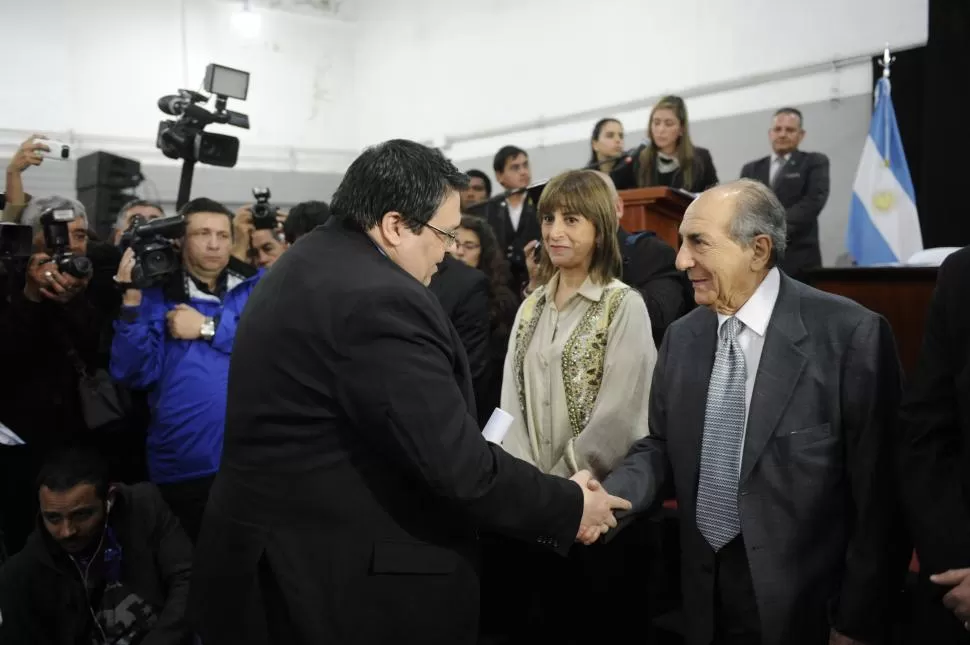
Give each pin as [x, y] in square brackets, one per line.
[784, 158]
[756, 312]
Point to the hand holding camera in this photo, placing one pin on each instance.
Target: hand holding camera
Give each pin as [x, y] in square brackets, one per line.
[30, 153]
[45, 281]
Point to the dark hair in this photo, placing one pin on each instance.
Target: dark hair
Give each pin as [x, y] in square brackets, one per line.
[303, 218]
[397, 175]
[503, 155]
[597, 129]
[204, 205]
[73, 466]
[492, 262]
[481, 175]
[794, 111]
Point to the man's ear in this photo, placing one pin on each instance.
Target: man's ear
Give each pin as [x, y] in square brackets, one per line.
[391, 225]
[762, 252]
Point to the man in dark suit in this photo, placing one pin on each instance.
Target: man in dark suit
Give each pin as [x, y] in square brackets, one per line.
[514, 218]
[934, 456]
[770, 414]
[801, 182]
[354, 478]
[463, 294]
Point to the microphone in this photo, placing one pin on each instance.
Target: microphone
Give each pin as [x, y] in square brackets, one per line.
[623, 160]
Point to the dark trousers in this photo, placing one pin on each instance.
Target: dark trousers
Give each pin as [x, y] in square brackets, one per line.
[736, 617]
[530, 595]
[187, 500]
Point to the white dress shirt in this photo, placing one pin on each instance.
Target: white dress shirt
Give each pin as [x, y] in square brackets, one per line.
[515, 213]
[755, 314]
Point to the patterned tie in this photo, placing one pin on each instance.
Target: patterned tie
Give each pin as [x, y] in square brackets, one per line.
[717, 489]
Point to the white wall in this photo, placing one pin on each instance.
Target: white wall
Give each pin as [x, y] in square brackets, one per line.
[435, 69]
[92, 70]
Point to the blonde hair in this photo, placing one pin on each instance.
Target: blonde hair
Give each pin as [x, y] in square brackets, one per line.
[584, 192]
[685, 147]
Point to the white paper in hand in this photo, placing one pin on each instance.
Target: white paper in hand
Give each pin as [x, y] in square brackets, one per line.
[498, 424]
[8, 437]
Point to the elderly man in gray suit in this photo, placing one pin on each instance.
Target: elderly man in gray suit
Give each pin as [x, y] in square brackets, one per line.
[770, 414]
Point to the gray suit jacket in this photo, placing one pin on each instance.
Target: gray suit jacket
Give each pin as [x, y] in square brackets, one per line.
[816, 495]
[802, 187]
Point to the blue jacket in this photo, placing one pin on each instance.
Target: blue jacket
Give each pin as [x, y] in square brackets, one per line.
[186, 379]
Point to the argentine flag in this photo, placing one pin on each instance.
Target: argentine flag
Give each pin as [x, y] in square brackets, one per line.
[883, 225]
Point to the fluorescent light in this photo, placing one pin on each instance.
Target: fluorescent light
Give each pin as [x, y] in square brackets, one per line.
[246, 22]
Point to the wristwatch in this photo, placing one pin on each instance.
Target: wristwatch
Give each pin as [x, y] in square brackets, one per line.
[208, 328]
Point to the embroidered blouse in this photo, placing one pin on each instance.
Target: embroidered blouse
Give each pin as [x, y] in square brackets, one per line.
[577, 380]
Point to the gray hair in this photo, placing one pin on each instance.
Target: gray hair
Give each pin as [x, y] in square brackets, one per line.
[758, 213]
[121, 224]
[39, 205]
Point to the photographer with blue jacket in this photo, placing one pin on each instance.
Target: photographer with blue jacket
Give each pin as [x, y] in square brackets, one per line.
[175, 341]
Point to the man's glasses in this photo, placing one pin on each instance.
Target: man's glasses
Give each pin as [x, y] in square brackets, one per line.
[450, 238]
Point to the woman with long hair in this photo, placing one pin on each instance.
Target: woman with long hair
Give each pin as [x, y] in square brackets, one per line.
[671, 159]
[605, 144]
[478, 248]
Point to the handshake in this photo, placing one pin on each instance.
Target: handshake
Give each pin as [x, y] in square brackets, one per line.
[598, 507]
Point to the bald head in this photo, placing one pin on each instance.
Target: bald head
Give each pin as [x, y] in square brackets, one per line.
[733, 235]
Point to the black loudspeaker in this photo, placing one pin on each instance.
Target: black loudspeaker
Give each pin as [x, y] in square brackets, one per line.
[102, 204]
[102, 182]
[105, 169]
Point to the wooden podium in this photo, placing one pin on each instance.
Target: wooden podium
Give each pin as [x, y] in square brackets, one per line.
[658, 209]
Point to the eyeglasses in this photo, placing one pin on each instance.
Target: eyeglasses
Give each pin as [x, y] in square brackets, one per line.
[450, 238]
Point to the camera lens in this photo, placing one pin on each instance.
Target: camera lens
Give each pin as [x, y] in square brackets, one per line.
[79, 267]
[158, 262]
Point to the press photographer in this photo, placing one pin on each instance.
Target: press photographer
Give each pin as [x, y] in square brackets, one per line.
[55, 360]
[174, 340]
[260, 238]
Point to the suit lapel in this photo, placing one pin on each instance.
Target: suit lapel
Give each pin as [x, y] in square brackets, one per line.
[782, 363]
[697, 367]
[764, 171]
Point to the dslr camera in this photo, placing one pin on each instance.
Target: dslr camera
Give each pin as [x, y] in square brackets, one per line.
[264, 213]
[57, 239]
[153, 243]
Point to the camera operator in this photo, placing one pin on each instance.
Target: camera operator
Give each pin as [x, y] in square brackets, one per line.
[147, 210]
[175, 340]
[52, 330]
[260, 238]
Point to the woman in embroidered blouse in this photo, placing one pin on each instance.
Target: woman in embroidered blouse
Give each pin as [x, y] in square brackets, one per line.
[578, 370]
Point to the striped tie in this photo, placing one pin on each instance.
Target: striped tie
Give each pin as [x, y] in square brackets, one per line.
[717, 490]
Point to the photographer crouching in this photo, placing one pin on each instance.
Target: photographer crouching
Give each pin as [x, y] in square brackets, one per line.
[174, 338]
[54, 366]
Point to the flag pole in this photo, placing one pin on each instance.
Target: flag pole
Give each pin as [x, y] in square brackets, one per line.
[886, 63]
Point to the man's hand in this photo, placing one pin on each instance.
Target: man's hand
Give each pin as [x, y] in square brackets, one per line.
[45, 282]
[27, 154]
[132, 297]
[835, 638]
[242, 233]
[957, 599]
[531, 265]
[185, 323]
[598, 507]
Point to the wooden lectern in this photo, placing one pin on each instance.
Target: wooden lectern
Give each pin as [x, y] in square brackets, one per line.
[658, 209]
